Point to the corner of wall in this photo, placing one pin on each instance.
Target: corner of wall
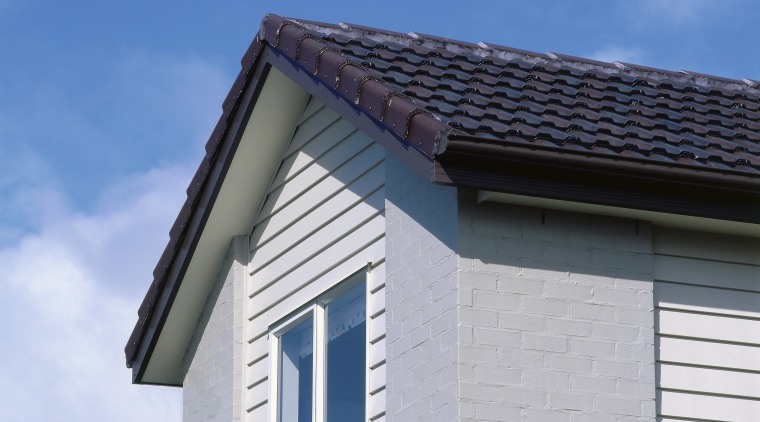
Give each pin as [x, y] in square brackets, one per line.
[421, 298]
[212, 386]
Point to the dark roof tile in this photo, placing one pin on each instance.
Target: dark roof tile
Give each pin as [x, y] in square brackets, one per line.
[424, 88]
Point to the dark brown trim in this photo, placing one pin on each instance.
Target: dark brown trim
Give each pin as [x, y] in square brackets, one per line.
[367, 123]
[463, 145]
[431, 148]
[202, 209]
[572, 178]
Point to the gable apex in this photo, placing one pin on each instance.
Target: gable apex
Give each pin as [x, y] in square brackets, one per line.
[478, 116]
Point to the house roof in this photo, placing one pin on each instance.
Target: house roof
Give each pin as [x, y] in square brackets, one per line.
[498, 118]
[505, 96]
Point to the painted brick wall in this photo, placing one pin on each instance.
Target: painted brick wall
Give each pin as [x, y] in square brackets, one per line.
[213, 381]
[556, 316]
[421, 298]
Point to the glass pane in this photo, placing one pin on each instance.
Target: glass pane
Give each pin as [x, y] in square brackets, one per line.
[297, 361]
[346, 356]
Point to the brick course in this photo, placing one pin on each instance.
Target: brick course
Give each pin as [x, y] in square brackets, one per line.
[212, 387]
[569, 321]
[421, 297]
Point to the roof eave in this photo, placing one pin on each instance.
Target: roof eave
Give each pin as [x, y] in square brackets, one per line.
[579, 176]
[201, 193]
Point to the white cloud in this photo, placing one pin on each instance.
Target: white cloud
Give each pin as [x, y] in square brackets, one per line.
[619, 54]
[74, 267]
[29, 193]
[69, 295]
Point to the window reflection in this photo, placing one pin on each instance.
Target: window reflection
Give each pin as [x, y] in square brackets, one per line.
[296, 373]
[346, 356]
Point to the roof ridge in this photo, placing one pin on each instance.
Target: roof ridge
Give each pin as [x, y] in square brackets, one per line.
[491, 50]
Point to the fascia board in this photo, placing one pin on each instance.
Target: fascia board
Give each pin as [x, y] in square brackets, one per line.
[261, 129]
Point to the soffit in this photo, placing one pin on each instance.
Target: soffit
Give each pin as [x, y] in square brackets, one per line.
[241, 187]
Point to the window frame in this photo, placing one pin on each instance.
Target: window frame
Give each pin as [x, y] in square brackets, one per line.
[317, 310]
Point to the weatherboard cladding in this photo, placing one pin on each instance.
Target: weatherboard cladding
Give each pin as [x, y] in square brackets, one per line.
[322, 220]
[435, 93]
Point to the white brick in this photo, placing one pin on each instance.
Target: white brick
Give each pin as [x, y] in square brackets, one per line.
[540, 303]
[616, 296]
[568, 254]
[568, 327]
[521, 322]
[542, 270]
[488, 266]
[532, 341]
[209, 387]
[542, 306]
[481, 392]
[641, 317]
[574, 364]
[578, 292]
[478, 354]
[486, 336]
[619, 406]
[634, 351]
[538, 415]
[616, 369]
[524, 396]
[478, 317]
[615, 332]
[492, 374]
[570, 401]
[520, 285]
[592, 384]
[539, 378]
[592, 311]
[498, 301]
[518, 358]
[591, 347]
[471, 280]
[496, 412]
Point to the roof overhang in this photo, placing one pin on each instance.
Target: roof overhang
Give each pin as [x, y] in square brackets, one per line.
[600, 181]
[283, 66]
[235, 186]
[658, 219]
[242, 155]
[244, 161]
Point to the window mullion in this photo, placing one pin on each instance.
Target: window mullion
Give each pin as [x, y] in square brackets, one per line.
[320, 394]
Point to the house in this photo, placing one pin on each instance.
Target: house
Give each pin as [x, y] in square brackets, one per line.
[404, 227]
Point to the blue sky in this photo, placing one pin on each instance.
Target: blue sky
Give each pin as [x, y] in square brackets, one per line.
[104, 111]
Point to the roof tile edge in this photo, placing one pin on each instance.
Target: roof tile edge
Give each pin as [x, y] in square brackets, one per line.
[491, 51]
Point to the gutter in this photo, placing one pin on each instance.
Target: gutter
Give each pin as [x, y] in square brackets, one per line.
[458, 145]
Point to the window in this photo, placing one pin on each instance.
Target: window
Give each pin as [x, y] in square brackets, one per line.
[321, 358]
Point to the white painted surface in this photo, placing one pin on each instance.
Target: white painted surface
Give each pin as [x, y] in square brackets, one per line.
[421, 299]
[707, 295]
[556, 315]
[322, 220]
[264, 137]
[212, 386]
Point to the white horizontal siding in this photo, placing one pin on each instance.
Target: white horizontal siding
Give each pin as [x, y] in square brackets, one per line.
[708, 353]
[322, 220]
[704, 272]
[708, 408]
[708, 380]
[708, 327]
